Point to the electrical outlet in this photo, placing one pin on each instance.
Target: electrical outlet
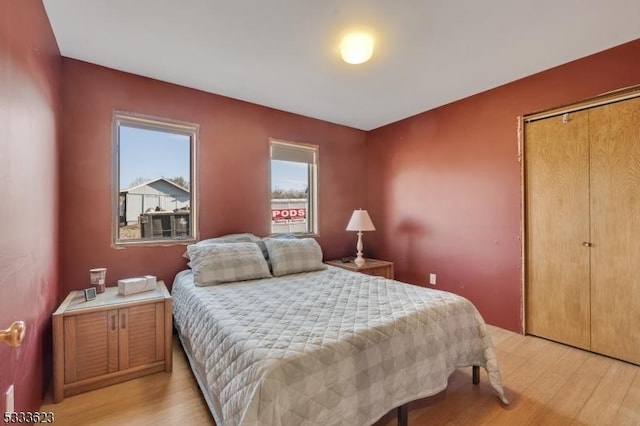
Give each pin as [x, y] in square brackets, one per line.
[432, 279]
[9, 407]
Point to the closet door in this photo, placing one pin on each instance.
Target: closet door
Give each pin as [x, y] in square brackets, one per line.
[615, 229]
[557, 218]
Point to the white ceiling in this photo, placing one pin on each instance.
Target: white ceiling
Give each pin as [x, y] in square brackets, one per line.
[284, 53]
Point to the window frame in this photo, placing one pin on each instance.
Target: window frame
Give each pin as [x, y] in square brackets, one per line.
[313, 179]
[147, 122]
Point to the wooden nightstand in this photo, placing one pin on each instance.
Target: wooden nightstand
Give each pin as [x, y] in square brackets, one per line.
[110, 339]
[380, 268]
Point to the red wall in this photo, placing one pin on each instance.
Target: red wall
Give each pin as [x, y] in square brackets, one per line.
[233, 169]
[444, 186]
[29, 117]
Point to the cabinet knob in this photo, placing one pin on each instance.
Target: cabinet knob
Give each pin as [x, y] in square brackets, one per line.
[586, 244]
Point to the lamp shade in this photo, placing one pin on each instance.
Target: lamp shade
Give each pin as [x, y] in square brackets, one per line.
[360, 221]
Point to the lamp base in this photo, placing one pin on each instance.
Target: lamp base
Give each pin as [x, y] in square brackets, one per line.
[359, 260]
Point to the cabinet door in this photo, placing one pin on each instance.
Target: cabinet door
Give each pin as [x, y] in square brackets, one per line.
[615, 230]
[557, 223]
[141, 335]
[91, 345]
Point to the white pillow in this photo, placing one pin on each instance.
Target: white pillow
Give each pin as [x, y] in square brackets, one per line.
[263, 246]
[290, 256]
[226, 262]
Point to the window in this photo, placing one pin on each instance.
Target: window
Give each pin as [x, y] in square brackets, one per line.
[154, 190]
[294, 177]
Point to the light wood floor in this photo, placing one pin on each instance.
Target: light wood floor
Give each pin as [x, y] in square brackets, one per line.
[546, 383]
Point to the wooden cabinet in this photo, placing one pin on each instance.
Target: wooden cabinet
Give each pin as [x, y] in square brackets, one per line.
[582, 172]
[110, 339]
[376, 267]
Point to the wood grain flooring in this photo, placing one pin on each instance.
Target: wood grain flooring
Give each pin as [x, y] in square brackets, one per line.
[547, 384]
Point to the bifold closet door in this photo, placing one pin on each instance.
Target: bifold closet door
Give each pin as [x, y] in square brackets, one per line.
[615, 229]
[557, 209]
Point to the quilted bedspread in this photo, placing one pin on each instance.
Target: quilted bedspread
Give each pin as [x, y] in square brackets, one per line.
[330, 347]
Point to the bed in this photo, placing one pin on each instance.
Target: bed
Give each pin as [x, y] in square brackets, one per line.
[321, 347]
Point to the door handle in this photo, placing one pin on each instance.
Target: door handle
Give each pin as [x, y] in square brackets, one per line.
[14, 335]
[587, 244]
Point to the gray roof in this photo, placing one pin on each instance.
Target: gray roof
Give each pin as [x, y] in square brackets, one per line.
[124, 191]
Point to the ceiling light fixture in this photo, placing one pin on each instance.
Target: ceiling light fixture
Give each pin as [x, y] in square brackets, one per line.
[356, 48]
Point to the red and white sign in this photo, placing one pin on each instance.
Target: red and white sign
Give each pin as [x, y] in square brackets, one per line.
[293, 215]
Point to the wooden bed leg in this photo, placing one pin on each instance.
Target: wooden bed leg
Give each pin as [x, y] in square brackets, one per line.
[403, 415]
[475, 374]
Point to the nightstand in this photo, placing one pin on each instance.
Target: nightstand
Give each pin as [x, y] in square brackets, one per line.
[380, 268]
[110, 339]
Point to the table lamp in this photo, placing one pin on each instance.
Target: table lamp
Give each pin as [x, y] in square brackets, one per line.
[360, 221]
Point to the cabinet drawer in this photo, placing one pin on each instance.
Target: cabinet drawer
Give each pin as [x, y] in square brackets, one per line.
[380, 268]
[379, 272]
